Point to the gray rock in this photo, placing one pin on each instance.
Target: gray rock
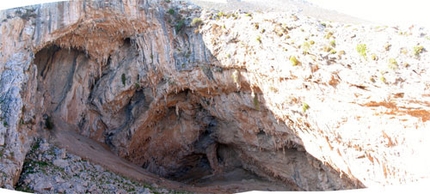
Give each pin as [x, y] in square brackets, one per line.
[61, 163]
[43, 186]
[60, 153]
[58, 179]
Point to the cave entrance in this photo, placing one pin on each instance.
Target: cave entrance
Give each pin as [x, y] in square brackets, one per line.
[212, 135]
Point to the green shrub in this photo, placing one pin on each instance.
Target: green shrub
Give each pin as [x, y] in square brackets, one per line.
[220, 14]
[382, 78]
[328, 35]
[362, 50]
[196, 22]
[123, 79]
[392, 63]
[256, 102]
[294, 61]
[333, 43]
[259, 39]
[306, 47]
[305, 107]
[180, 25]
[171, 11]
[418, 50]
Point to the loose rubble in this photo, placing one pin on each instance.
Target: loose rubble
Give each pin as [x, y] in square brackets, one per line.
[49, 169]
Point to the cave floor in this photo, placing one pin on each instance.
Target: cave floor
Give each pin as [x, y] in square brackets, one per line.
[237, 180]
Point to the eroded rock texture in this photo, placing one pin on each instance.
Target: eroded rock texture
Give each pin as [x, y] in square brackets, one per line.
[187, 100]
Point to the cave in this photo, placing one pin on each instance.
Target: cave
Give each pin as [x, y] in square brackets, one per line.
[192, 103]
[177, 131]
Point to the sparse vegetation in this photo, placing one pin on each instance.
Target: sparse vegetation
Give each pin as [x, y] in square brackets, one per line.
[333, 43]
[387, 47]
[328, 35]
[306, 47]
[294, 61]
[329, 49]
[362, 50]
[392, 63]
[273, 89]
[196, 22]
[374, 57]
[259, 39]
[341, 52]
[220, 15]
[123, 79]
[305, 107]
[332, 51]
[404, 50]
[171, 11]
[256, 102]
[382, 78]
[418, 50]
[179, 25]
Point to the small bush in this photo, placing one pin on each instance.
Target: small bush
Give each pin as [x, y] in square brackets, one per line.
[362, 50]
[387, 47]
[305, 107]
[306, 47]
[171, 11]
[220, 14]
[196, 22]
[418, 50]
[382, 78]
[256, 102]
[374, 57]
[180, 25]
[392, 63]
[404, 50]
[259, 39]
[294, 61]
[333, 43]
[123, 79]
[328, 35]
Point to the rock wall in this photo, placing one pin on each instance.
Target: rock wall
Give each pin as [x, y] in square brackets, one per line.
[180, 96]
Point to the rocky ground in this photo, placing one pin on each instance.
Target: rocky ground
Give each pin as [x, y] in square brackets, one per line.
[49, 169]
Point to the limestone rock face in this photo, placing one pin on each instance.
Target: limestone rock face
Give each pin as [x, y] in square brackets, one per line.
[181, 98]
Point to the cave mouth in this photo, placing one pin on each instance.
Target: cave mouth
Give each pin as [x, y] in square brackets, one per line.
[200, 135]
